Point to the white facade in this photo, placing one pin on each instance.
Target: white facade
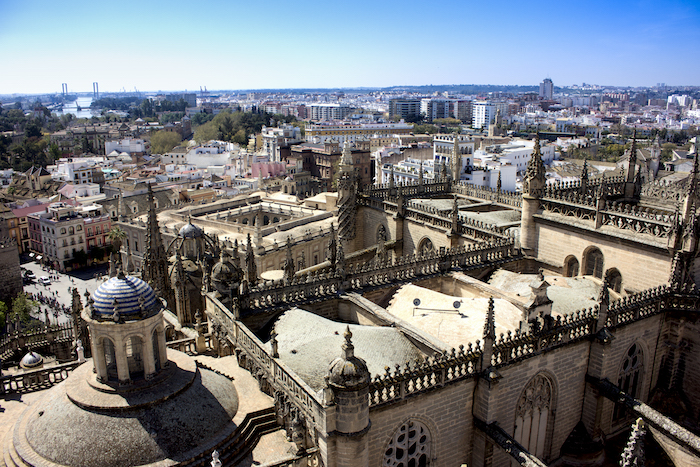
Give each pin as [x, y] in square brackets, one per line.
[127, 145]
[274, 138]
[483, 114]
[435, 108]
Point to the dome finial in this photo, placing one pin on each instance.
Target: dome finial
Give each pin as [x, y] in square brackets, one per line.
[348, 348]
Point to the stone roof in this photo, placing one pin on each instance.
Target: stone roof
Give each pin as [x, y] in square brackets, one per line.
[308, 343]
[436, 315]
[174, 428]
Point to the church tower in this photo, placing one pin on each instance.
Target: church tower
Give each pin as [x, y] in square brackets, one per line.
[155, 261]
[347, 194]
[533, 187]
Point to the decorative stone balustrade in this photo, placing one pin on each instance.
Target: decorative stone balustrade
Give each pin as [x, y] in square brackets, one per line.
[34, 338]
[311, 288]
[35, 380]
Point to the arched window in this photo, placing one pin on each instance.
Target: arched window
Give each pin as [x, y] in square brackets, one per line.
[266, 220]
[533, 415]
[156, 349]
[245, 221]
[594, 263]
[134, 357]
[71, 231]
[630, 377]
[425, 247]
[614, 279]
[571, 267]
[63, 230]
[110, 360]
[410, 446]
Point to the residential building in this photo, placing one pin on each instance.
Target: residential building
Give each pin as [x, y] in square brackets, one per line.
[322, 133]
[433, 108]
[546, 89]
[483, 114]
[404, 108]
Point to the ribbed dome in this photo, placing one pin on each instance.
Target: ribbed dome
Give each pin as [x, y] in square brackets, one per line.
[32, 360]
[132, 295]
[190, 230]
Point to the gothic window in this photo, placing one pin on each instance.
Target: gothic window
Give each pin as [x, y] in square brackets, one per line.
[614, 279]
[410, 446]
[571, 267]
[425, 247]
[532, 415]
[594, 263]
[630, 378]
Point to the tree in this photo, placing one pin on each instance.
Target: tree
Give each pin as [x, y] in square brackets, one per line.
[55, 151]
[21, 309]
[3, 314]
[163, 141]
[80, 257]
[11, 190]
[116, 237]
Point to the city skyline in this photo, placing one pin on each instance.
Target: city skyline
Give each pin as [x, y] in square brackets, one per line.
[170, 47]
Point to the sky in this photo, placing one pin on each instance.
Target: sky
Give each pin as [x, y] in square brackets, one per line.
[152, 45]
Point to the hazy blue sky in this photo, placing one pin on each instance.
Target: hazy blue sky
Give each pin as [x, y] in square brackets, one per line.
[153, 45]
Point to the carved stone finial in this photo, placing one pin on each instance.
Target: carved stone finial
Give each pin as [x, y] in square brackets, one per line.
[633, 455]
[535, 179]
[348, 348]
[490, 326]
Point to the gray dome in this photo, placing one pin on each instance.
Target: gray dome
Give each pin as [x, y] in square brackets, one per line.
[348, 371]
[32, 360]
[129, 295]
[190, 230]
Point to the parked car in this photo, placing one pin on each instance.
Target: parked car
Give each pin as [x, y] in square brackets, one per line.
[30, 275]
[44, 280]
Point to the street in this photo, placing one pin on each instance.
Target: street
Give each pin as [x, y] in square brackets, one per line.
[60, 288]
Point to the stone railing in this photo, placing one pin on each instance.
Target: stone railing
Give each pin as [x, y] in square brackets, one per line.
[35, 380]
[408, 191]
[466, 226]
[666, 192]
[441, 369]
[615, 186]
[488, 194]
[34, 338]
[432, 373]
[269, 296]
[655, 222]
[188, 345]
[658, 223]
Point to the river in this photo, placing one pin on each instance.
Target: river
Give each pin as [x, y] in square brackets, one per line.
[72, 108]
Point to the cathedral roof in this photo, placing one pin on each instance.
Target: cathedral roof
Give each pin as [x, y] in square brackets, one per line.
[130, 296]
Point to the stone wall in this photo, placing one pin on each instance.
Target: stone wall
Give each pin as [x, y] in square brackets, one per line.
[445, 412]
[641, 266]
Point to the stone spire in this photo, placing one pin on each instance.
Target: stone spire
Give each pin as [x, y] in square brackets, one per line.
[391, 178]
[490, 325]
[489, 336]
[584, 178]
[332, 248]
[76, 308]
[456, 159]
[155, 260]
[250, 266]
[289, 263]
[455, 216]
[633, 455]
[121, 207]
[182, 298]
[499, 183]
[420, 173]
[535, 180]
[631, 167]
[347, 194]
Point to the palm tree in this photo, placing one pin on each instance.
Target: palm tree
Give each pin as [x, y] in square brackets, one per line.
[116, 237]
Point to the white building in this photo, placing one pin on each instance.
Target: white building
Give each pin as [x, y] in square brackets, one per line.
[275, 138]
[483, 114]
[324, 112]
[127, 145]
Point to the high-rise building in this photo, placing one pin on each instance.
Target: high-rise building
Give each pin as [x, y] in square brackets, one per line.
[404, 108]
[483, 113]
[435, 108]
[546, 89]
